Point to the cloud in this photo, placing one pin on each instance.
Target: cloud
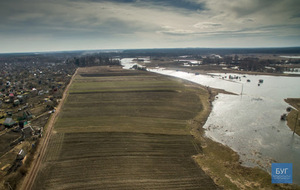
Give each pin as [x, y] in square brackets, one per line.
[148, 22]
[205, 25]
[173, 31]
[73, 18]
[178, 4]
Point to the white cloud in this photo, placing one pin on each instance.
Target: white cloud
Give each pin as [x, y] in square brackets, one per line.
[149, 24]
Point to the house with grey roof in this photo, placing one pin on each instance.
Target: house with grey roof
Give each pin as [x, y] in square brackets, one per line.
[9, 122]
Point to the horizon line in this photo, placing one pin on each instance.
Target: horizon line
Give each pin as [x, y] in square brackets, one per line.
[122, 49]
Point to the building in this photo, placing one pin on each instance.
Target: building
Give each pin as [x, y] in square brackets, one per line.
[9, 122]
[27, 132]
[27, 115]
[11, 95]
[21, 155]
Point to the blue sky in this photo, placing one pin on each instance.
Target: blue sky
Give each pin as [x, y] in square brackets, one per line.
[54, 25]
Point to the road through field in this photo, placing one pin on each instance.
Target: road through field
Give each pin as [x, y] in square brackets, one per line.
[121, 129]
[31, 175]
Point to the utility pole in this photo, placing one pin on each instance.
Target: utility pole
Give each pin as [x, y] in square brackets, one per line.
[242, 89]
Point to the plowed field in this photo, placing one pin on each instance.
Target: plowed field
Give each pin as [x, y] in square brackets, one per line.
[123, 129]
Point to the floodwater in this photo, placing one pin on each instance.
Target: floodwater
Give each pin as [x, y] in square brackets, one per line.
[293, 72]
[249, 122]
[129, 63]
[291, 57]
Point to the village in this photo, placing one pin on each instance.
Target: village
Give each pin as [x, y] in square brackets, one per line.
[30, 89]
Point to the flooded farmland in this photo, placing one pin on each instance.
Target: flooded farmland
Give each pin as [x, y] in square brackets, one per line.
[250, 122]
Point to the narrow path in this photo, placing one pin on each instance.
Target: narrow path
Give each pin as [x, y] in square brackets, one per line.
[31, 175]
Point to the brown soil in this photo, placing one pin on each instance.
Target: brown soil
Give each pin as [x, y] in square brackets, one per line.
[135, 139]
[293, 118]
[6, 139]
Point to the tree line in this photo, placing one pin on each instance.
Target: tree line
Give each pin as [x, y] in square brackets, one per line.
[93, 60]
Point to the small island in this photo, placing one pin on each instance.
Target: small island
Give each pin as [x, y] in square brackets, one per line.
[293, 116]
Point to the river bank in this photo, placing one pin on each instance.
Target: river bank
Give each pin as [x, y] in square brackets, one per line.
[220, 162]
[293, 116]
[248, 123]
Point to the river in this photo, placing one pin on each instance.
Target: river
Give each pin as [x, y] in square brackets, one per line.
[249, 122]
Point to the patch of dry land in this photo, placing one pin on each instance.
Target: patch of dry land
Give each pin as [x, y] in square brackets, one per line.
[123, 129]
[293, 118]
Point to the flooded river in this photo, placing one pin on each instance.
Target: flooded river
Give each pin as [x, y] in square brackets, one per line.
[249, 122]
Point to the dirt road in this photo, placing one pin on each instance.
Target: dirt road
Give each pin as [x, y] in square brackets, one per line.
[30, 177]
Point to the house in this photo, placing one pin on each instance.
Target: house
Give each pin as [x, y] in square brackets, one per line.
[20, 97]
[21, 155]
[27, 115]
[9, 122]
[9, 114]
[34, 91]
[11, 95]
[27, 132]
[41, 92]
[39, 131]
[7, 83]
[16, 102]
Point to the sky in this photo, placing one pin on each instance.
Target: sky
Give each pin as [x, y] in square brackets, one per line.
[56, 25]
